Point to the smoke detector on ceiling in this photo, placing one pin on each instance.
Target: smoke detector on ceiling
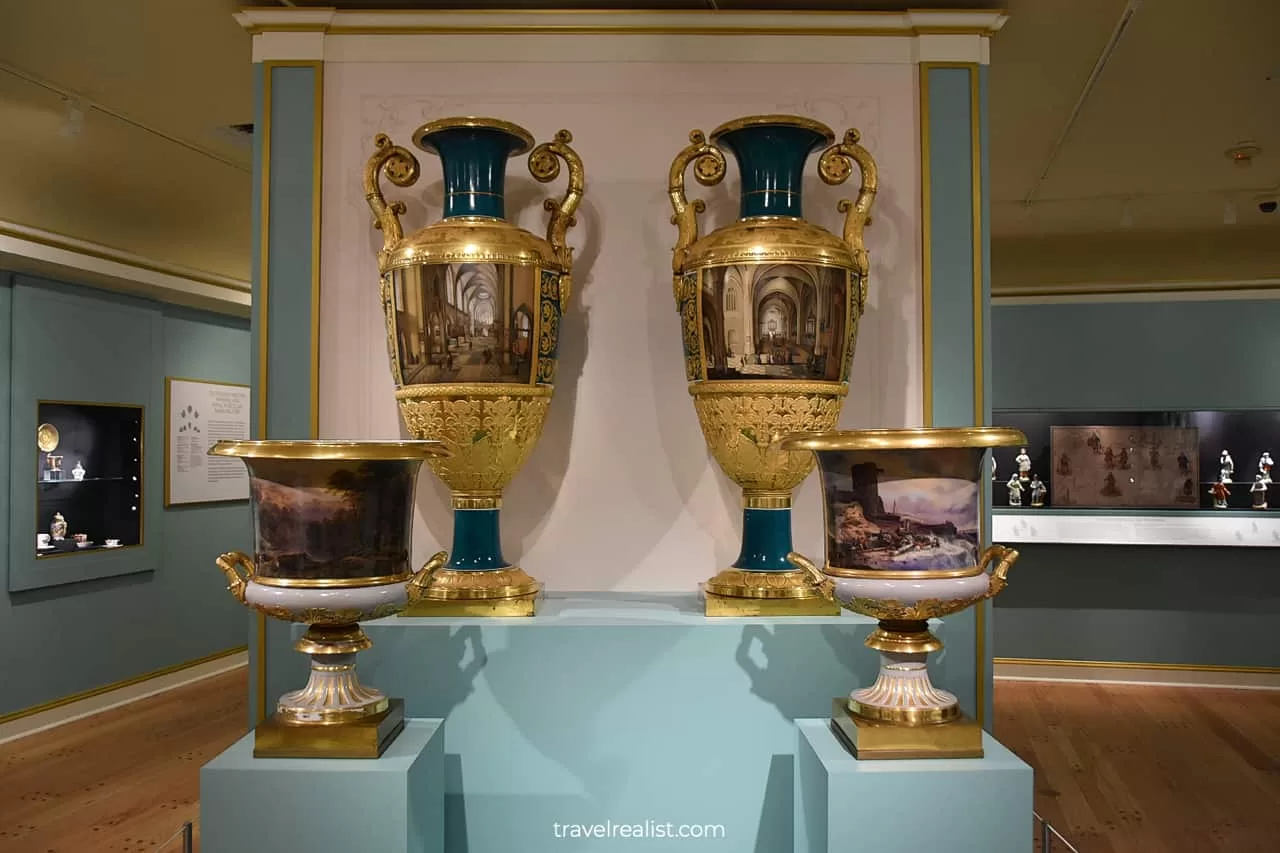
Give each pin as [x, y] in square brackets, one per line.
[1242, 153]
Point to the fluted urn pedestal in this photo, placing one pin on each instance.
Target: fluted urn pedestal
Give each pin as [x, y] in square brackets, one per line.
[903, 520]
[769, 309]
[473, 309]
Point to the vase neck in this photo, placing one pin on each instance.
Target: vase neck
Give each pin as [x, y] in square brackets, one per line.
[771, 160]
[474, 162]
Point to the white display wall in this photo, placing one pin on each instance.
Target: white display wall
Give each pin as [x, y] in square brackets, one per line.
[621, 492]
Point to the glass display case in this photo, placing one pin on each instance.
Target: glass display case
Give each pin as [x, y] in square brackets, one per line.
[88, 478]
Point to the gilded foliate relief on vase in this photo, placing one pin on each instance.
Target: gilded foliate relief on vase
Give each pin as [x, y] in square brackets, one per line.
[550, 313]
[687, 301]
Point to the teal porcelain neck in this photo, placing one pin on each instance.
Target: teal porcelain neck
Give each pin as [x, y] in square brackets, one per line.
[474, 161]
[771, 160]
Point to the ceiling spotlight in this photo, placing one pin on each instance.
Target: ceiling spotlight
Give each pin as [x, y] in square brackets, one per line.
[1229, 213]
[73, 123]
[1242, 153]
[1126, 217]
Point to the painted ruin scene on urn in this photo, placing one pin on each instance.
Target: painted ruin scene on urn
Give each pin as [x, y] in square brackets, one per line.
[776, 321]
[470, 322]
[331, 521]
[901, 510]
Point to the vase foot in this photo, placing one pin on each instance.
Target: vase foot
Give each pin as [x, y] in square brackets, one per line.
[876, 740]
[502, 592]
[369, 737]
[737, 592]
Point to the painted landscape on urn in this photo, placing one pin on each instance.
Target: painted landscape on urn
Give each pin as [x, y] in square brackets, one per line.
[775, 321]
[337, 521]
[888, 512]
[468, 322]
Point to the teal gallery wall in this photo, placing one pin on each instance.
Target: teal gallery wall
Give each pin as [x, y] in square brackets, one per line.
[1172, 605]
[59, 341]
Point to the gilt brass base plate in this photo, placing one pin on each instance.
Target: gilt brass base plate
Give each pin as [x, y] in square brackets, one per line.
[872, 740]
[519, 605]
[367, 738]
[724, 605]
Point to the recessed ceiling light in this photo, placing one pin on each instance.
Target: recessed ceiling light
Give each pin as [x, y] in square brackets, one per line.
[1242, 153]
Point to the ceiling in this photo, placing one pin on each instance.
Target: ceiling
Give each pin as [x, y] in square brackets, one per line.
[153, 170]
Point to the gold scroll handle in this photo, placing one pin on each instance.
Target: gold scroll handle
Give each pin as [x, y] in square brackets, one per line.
[709, 170]
[230, 563]
[401, 169]
[421, 580]
[834, 167]
[544, 165]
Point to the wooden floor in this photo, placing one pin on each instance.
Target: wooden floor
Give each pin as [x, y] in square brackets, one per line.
[1141, 769]
[1118, 769]
[123, 780]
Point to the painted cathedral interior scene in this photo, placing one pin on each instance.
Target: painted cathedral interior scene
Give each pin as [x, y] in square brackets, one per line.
[465, 322]
[775, 321]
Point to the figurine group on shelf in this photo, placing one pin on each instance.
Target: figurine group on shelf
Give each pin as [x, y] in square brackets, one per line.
[1257, 489]
[1024, 480]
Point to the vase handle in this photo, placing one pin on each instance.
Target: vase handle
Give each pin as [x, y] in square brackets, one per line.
[544, 165]
[401, 169]
[417, 585]
[834, 167]
[825, 587]
[708, 170]
[236, 582]
[1005, 558]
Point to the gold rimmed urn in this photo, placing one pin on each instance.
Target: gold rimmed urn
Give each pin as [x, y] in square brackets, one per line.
[904, 545]
[473, 310]
[769, 308]
[332, 522]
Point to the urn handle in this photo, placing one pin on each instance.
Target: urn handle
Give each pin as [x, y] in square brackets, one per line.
[708, 170]
[401, 169]
[544, 165]
[834, 167]
[417, 585]
[825, 587]
[236, 582]
[1004, 559]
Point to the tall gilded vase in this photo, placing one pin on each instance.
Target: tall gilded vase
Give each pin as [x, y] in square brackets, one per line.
[332, 522]
[473, 310]
[769, 307]
[904, 545]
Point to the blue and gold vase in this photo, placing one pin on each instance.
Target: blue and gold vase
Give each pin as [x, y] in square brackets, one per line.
[473, 307]
[769, 309]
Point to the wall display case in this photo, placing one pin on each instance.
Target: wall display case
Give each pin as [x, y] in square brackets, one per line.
[1139, 477]
[88, 478]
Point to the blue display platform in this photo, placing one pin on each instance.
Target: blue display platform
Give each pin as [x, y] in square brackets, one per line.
[611, 711]
[956, 805]
[393, 804]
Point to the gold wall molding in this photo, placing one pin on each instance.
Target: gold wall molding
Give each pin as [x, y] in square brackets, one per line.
[1168, 667]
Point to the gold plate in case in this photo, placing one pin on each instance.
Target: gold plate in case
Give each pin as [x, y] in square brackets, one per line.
[367, 738]
[47, 437]
[872, 740]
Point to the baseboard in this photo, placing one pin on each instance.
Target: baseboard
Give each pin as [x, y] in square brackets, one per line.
[1117, 672]
[59, 712]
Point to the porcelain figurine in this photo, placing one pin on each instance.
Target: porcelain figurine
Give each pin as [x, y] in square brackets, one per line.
[769, 309]
[904, 545]
[1259, 492]
[1220, 494]
[1226, 467]
[473, 308]
[1024, 464]
[58, 529]
[1015, 490]
[994, 467]
[1038, 490]
[332, 524]
[1264, 466]
[77, 473]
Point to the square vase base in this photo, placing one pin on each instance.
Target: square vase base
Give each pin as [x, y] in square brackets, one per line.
[872, 739]
[520, 605]
[367, 738]
[724, 605]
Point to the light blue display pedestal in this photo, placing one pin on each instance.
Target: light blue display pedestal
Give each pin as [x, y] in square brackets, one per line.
[956, 805]
[612, 709]
[394, 804]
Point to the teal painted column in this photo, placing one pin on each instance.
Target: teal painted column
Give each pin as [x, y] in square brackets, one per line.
[288, 104]
[957, 307]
